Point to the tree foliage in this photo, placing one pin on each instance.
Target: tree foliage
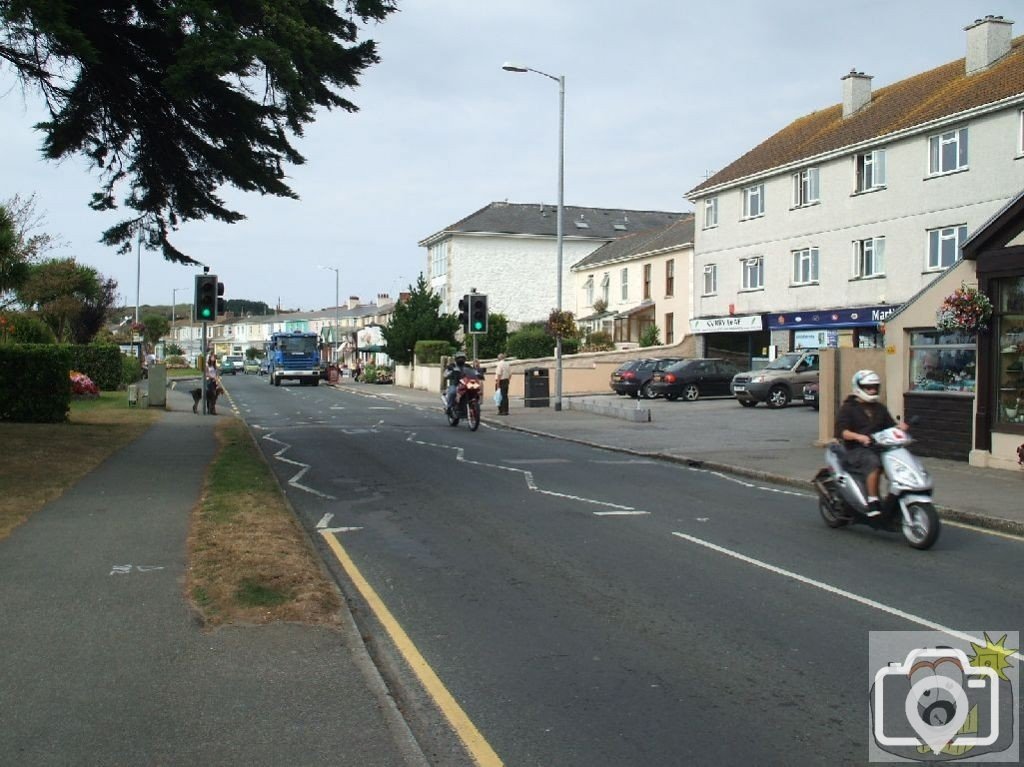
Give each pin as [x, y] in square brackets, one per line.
[170, 101]
[61, 291]
[650, 336]
[418, 319]
[21, 242]
[155, 327]
[492, 343]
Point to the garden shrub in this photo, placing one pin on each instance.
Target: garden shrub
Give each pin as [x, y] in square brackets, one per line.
[131, 369]
[101, 362]
[23, 329]
[600, 341]
[35, 383]
[431, 352]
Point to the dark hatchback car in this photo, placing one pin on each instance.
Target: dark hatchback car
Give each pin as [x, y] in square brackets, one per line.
[811, 395]
[635, 379]
[693, 379]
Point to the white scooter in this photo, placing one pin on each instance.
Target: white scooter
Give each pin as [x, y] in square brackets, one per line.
[907, 507]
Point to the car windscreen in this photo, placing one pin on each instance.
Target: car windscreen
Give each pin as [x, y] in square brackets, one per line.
[785, 362]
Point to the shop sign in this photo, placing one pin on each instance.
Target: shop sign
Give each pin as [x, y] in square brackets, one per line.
[860, 317]
[744, 324]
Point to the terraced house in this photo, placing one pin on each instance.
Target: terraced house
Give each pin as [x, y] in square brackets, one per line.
[815, 236]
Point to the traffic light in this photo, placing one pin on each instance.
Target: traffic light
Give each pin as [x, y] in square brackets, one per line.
[464, 313]
[221, 305]
[206, 297]
[478, 313]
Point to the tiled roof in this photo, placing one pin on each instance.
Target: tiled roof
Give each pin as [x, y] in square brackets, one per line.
[540, 219]
[919, 100]
[675, 235]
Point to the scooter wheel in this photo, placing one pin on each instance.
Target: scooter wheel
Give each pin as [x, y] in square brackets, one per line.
[924, 527]
[829, 515]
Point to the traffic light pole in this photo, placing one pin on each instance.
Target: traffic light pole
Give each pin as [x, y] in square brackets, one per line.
[202, 371]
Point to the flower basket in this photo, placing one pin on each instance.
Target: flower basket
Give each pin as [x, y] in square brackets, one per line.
[966, 310]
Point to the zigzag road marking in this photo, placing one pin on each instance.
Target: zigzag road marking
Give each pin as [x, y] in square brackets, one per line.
[460, 456]
[294, 481]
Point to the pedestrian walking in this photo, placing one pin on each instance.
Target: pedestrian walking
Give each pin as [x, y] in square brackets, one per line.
[212, 383]
[502, 376]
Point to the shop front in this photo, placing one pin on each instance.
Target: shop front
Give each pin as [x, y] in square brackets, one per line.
[998, 252]
[858, 328]
[741, 338]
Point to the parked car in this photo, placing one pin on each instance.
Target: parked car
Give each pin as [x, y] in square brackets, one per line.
[693, 379]
[251, 366]
[811, 395]
[623, 378]
[636, 381]
[777, 382]
[232, 364]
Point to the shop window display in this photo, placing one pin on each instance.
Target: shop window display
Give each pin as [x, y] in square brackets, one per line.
[1009, 327]
[943, 361]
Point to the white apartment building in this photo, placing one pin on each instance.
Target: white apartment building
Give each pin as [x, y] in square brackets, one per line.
[816, 235]
[640, 280]
[508, 251]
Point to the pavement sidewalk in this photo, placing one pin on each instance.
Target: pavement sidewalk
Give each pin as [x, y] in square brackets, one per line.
[990, 498]
[104, 662]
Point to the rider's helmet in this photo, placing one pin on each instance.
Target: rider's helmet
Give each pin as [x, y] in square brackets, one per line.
[460, 358]
[866, 385]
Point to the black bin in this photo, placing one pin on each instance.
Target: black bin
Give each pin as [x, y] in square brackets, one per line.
[536, 388]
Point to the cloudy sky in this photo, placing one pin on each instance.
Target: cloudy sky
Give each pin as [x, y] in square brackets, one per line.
[658, 95]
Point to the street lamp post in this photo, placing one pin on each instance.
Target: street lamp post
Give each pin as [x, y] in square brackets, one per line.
[337, 298]
[560, 79]
[174, 308]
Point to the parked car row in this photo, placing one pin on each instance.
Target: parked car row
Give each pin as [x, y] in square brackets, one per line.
[785, 379]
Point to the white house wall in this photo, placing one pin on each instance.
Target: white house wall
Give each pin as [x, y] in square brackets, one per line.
[911, 204]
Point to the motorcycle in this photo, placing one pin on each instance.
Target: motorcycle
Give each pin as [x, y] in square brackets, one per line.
[467, 402]
[907, 508]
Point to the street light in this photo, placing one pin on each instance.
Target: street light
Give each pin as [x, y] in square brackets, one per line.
[174, 308]
[509, 67]
[337, 277]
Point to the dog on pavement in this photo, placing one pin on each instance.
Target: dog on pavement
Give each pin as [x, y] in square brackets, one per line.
[197, 397]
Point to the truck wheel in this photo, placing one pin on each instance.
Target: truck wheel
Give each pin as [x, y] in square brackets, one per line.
[778, 396]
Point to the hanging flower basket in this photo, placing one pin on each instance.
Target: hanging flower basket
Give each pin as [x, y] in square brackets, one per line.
[966, 310]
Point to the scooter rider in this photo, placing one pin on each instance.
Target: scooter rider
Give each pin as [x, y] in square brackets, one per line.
[860, 416]
[453, 374]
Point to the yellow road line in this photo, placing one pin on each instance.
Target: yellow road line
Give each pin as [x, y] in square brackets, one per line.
[479, 749]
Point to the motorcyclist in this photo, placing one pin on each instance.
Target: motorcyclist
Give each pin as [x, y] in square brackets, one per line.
[860, 416]
[454, 373]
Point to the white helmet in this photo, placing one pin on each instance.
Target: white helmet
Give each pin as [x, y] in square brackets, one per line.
[864, 378]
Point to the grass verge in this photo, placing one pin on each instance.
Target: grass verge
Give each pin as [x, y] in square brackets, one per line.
[40, 461]
[250, 561]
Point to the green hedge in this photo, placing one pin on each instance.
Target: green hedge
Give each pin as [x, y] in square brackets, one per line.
[102, 363]
[35, 383]
[431, 352]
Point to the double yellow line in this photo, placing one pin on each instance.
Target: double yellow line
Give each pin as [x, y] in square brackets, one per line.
[477, 746]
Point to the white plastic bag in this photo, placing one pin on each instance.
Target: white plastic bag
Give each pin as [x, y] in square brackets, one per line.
[497, 397]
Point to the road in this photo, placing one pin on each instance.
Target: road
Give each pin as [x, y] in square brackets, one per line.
[583, 607]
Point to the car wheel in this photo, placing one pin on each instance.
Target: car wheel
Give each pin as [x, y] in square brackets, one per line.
[747, 402]
[645, 391]
[778, 397]
[691, 392]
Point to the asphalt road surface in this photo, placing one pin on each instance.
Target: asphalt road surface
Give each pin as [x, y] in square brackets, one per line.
[583, 607]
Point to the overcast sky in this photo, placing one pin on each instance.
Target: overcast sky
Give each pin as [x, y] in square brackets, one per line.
[658, 94]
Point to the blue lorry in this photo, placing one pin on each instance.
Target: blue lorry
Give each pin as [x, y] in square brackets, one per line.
[293, 355]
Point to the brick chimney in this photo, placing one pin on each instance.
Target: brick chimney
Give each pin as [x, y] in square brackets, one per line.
[856, 92]
[988, 40]
[352, 303]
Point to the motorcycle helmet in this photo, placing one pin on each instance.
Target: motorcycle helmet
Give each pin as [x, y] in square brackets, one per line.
[460, 358]
[866, 379]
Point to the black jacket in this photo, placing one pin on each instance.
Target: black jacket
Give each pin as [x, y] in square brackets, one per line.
[862, 417]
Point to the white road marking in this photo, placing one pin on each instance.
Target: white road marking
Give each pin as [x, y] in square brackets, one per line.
[294, 481]
[325, 520]
[625, 461]
[535, 460]
[620, 513]
[838, 592]
[460, 456]
[753, 486]
[339, 529]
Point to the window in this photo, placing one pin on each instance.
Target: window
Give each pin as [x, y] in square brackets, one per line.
[438, 263]
[710, 212]
[871, 170]
[588, 286]
[944, 246]
[753, 273]
[647, 282]
[805, 187]
[1008, 328]
[670, 335]
[606, 280]
[625, 284]
[942, 361]
[753, 201]
[869, 257]
[670, 277]
[947, 152]
[710, 280]
[805, 266]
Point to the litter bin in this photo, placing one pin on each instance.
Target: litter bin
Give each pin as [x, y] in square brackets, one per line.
[536, 388]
